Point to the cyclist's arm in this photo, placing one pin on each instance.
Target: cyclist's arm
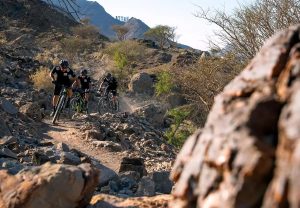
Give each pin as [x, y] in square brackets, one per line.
[100, 87]
[76, 83]
[73, 77]
[53, 71]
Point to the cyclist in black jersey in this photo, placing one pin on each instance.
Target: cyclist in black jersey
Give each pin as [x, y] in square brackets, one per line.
[84, 81]
[62, 75]
[111, 85]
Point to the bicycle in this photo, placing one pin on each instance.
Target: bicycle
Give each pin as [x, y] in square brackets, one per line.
[77, 104]
[106, 103]
[61, 103]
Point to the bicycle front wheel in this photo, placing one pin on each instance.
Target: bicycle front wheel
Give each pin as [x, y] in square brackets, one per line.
[59, 108]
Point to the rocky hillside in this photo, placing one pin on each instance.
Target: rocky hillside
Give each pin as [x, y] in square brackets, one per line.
[116, 155]
[137, 28]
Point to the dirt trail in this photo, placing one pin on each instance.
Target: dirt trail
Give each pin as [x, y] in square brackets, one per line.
[69, 133]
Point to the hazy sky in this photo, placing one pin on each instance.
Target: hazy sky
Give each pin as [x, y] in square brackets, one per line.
[192, 31]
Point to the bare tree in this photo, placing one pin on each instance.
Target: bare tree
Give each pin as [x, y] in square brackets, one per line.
[249, 26]
[121, 31]
[202, 81]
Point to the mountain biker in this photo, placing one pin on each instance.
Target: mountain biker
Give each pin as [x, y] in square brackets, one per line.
[84, 81]
[111, 85]
[62, 75]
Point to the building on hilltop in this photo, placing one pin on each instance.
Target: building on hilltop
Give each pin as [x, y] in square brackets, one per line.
[122, 18]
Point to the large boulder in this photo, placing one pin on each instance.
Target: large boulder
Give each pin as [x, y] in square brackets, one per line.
[8, 107]
[247, 155]
[48, 186]
[141, 83]
[133, 164]
[175, 99]
[155, 114]
[164, 58]
[32, 110]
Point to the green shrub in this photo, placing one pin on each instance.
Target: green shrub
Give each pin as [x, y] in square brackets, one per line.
[164, 84]
[126, 52]
[120, 60]
[180, 128]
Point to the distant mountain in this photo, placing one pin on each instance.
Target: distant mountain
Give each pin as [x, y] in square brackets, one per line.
[137, 28]
[104, 21]
[97, 15]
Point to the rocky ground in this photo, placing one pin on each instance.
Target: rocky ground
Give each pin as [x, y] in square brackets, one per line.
[131, 154]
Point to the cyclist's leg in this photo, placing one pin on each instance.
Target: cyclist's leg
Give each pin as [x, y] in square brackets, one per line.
[55, 98]
[86, 96]
[107, 90]
[69, 94]
[114, 98]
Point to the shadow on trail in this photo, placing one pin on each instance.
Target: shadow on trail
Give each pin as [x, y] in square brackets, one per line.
[68, 132]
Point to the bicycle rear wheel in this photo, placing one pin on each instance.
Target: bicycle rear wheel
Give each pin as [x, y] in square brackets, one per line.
[74, 107]
[103, 106]
[59, 108]
[114, 106]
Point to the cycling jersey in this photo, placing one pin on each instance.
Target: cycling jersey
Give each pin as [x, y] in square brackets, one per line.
[84, 82]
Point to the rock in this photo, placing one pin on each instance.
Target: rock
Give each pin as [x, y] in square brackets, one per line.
[8, 107]
[7, 140]
[95, 135]
[133, 164]
[164, 58]
[175, 100]
[32, 110]
[162, 181]
[141, 83]
[153, 113]
[62, 147]
[130, 174]
[4, 129]
[107, 201]
[247, 155]
[11, 165]
[186, 58]
[5, 152]
[114, 147]
[69, 158]
[49, 186]
[40, 158]
[146, 187]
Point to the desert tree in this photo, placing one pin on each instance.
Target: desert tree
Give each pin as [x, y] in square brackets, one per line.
[249, 26]
[202, 81]
[121, 31]
[164, 35]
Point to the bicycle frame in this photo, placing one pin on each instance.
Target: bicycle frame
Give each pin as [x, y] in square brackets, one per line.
[107, 103]
[77, 103]
[60, 104]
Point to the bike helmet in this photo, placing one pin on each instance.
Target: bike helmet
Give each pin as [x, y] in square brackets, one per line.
[64, 63]
[83, 72]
